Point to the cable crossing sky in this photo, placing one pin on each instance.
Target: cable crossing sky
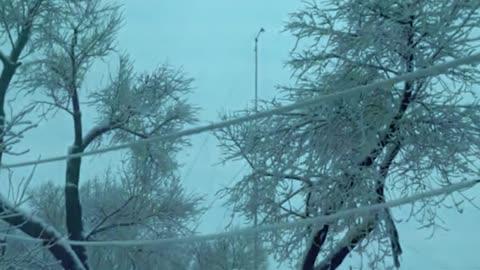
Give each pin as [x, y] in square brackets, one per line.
[430, 71]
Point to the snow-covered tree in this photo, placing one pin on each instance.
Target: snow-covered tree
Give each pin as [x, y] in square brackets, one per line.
[53, 47]
[131, 204]
[368, 147]
[235, 253]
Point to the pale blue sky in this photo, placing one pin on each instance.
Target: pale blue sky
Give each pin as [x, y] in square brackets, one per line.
[213, 41]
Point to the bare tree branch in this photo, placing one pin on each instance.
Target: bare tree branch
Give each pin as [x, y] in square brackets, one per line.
[95, 229]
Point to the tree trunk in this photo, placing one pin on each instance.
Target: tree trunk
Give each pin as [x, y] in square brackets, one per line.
[73, 208]
[314, 250]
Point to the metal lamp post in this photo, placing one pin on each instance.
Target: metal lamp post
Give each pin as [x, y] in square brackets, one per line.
[255, 184]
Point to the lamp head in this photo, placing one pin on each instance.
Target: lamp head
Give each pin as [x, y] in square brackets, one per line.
[259, 32]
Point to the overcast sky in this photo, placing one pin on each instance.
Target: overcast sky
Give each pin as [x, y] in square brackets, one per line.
[213, 41]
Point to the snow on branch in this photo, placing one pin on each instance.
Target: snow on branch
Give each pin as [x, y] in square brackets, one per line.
[42, 233]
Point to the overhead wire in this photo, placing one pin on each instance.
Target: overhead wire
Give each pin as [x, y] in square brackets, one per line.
[267, 228]
[430, 71]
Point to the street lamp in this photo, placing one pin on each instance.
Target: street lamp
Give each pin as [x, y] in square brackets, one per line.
[256, 67]
[255, 184]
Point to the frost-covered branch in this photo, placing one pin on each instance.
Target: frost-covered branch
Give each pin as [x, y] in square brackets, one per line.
[96, 133]
[36, 229]
[362, 144]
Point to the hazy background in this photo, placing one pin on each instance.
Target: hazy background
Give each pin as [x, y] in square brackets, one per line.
[214, 40]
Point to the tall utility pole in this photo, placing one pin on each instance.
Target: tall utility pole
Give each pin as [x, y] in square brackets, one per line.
[255, 183]
[256, 67]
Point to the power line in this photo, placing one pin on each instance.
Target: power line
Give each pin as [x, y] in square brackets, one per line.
[271, 227]
[431, 71]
